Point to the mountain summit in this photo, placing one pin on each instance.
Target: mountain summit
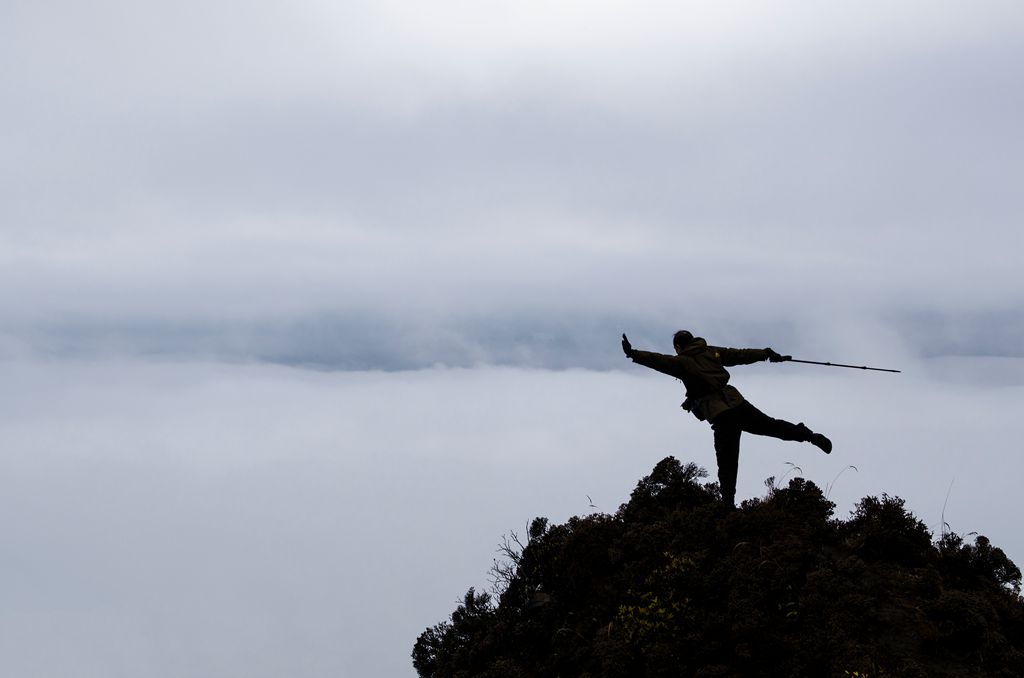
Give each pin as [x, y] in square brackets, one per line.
[674, 585]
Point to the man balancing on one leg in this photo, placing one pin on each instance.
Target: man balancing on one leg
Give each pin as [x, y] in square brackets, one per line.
[709, 397]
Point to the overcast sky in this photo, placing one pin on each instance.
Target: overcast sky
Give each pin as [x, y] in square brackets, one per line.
[303, 306]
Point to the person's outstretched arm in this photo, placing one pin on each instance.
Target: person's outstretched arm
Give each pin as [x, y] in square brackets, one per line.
[672, 365]
[746, 356]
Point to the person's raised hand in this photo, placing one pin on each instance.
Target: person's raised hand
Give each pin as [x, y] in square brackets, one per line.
[627, 348]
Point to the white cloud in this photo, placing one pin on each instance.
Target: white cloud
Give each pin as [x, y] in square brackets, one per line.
[254, 161]
[626, 56]
[398, 57]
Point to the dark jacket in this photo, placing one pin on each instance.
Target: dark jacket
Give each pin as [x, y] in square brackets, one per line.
[702, 370]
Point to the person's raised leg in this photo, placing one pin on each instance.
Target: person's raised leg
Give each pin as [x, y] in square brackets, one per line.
[753, 420]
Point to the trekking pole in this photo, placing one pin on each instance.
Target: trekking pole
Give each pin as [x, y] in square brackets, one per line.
[855, 367]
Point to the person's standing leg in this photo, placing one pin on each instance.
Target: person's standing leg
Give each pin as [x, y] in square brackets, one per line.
[727, 452]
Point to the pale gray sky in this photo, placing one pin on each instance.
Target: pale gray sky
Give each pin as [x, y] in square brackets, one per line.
[303, 306]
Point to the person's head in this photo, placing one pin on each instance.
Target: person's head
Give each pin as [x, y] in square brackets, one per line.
[681, 340]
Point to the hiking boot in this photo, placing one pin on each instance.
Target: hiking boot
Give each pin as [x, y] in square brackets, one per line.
[821, 441]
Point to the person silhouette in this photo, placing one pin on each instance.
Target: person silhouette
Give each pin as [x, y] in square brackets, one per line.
[711, 398]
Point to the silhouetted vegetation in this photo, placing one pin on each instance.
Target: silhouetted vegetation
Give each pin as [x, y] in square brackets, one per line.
[674, 585]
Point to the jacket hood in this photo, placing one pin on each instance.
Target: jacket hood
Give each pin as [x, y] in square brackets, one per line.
[696, 346]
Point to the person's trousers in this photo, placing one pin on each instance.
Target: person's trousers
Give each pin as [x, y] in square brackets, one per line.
[730, 424]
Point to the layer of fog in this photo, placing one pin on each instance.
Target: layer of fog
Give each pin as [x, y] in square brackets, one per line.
[208, 519]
